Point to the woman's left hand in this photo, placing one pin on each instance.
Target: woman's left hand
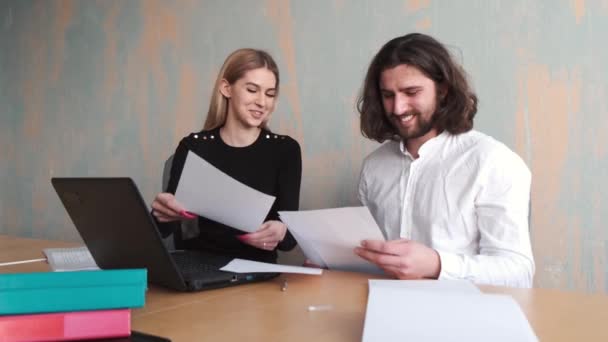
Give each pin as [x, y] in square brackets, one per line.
[267, 237]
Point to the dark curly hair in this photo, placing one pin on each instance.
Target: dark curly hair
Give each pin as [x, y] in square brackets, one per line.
[455, 111]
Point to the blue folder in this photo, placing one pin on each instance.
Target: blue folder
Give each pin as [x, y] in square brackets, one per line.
[27, 293]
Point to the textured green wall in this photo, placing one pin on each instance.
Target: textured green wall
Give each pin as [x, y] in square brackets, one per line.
[107, 88]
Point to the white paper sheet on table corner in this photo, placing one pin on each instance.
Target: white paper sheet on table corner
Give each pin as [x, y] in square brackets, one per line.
[249, 266]
[443, 316]
[461, 286]
[332, 234]
[210, 193]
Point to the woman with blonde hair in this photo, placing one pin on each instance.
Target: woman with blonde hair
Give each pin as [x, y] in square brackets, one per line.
[236, 140]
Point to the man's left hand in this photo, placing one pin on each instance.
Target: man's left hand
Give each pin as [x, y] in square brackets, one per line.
[403, 259]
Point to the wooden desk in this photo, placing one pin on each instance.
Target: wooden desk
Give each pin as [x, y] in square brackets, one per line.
[262, 312]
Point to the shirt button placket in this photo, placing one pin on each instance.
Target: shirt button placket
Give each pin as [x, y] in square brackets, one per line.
[406, 231]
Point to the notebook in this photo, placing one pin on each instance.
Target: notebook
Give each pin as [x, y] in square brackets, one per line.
[45, 292]
[66, 326]
[117, 228]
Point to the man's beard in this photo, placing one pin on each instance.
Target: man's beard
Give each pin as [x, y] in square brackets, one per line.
[422, 127]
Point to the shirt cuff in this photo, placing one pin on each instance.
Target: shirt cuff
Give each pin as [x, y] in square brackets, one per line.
[451, 266]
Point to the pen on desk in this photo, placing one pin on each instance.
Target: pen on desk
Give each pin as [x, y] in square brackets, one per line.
[284, 286]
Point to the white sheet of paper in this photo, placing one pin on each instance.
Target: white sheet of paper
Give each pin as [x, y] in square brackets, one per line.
[462, 286]
[306, 246]
[249, 266]
[399, 314]
[330, 236]
[210, 193]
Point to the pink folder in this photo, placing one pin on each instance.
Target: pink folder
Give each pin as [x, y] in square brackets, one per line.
[65, 326]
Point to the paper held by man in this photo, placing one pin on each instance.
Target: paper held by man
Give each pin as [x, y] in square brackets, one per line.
[328, 237]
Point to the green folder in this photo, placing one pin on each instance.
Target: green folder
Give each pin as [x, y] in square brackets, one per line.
[26, 293]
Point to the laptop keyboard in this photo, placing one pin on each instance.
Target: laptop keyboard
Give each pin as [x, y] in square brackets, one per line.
[192, 263]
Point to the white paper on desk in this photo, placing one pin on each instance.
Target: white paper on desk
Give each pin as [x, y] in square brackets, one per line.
[396, 314]
[461, 286]
[210, 193]
[330, 236]
[248, 266]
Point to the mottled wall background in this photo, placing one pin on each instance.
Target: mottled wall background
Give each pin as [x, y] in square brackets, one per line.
[108, 88]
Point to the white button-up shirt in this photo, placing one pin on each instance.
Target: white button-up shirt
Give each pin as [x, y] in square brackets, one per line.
[466, 196]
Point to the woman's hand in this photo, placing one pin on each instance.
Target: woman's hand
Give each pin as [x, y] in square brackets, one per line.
[166, 208]
[267, 237]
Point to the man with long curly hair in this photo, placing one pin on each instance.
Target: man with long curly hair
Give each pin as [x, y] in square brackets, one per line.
[452, 202]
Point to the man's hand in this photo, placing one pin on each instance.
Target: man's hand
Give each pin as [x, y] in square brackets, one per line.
[403, 259]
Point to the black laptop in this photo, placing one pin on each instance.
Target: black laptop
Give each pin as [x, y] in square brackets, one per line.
[116, 226]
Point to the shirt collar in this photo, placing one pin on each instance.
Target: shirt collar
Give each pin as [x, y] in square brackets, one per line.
[428, 147]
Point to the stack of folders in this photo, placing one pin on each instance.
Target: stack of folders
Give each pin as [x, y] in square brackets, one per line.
[67, 306]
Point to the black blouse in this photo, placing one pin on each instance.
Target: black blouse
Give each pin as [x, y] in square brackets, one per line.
[272, 165]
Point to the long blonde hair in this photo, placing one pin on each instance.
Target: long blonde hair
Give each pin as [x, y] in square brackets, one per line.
[235, 66]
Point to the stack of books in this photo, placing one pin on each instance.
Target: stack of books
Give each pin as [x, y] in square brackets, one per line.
[66, 306]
